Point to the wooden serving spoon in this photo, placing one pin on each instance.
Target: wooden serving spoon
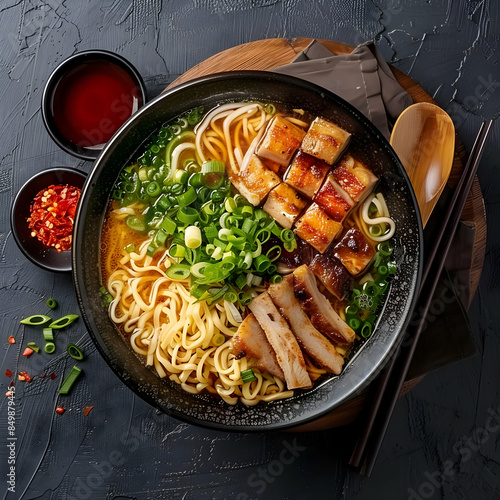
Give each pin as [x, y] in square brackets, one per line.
[424, 140]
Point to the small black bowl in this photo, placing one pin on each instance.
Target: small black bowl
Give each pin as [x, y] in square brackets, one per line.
[45, 257]
[78, 73]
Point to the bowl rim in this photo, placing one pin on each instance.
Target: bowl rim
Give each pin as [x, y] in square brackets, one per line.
[78, 276]
[14, 208]
[58, 73]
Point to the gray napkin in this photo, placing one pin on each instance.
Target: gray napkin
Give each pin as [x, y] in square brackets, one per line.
[365, 80]
[362, 78]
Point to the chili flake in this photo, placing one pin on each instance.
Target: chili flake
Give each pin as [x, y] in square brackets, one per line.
[52, 216]
[87, 410]
[11, 340]
[8, 373]
[9, 393]
[28, 351]
[23, 376]
[53, 376]
[60, 410]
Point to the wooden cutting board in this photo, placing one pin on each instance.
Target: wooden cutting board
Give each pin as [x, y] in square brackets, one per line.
[267, 54]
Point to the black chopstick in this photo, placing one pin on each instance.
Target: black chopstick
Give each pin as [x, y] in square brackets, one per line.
[389, 387]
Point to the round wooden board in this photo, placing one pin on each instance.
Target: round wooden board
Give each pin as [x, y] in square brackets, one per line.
[267, 54]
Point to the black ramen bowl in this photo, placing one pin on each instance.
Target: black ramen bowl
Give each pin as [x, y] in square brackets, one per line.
[45, 257]
[367, 143]
[77, 69]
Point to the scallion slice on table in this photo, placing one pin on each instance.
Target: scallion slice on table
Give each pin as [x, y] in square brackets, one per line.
[36, 320]
[74, 351]
[70, 380]
[50, 347]
[52, 303]
[64, 321]
[48, 334]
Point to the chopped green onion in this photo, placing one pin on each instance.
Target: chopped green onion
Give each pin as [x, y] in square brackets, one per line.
[385, 248]
[177, 251]
[70, 380]
[178, 271]
[248, 375]
[50, 347]
[195, 116]
[192, 236]
[241, 281]
[382, 270]
[75, 352]
[52, 303]
[48, 334]
[244, 298]
[218, 339]
[351, 310]
[290, 246]
[262, 263]
[230, 205]
[366, 329]
[270, 109]
[151, 249]
[133, 222]
[213, 166]
[213, 180]
[354, 323]
[181, 177]
[106, 297]
[375, 230]
[36, 320]
[187, 198]
[130, 248]
[64, 321]
[33, 346]
[168, 225]
[276, 278]
[196, 180]
[231, 296]
[287, 235]
[188, 215]
[153, 189]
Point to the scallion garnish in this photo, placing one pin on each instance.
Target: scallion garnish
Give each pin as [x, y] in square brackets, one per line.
[52, 303]
[74, 351]
[64, 321]
[248, 375]
[36, 320]
[50, 347]
[48, 334]
[33, 346]
[70, 380]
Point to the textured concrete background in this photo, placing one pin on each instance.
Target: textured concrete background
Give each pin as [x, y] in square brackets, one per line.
[443, 441]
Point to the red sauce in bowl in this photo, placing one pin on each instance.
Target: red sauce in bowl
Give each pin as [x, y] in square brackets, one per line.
[92, 101]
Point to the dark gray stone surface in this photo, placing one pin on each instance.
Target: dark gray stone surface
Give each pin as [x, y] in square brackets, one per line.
[443, 442]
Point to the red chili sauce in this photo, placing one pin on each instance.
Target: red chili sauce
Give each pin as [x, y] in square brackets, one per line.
[52, 216]
[92, 101]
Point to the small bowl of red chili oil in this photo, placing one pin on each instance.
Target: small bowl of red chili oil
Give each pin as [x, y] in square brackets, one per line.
[87, 98]
[42, 217]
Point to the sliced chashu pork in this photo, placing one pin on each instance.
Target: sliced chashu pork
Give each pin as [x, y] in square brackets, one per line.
[319, 309]
[325, 140]
[282, 340]
[281, 139]
[313, 342]
[251, 341]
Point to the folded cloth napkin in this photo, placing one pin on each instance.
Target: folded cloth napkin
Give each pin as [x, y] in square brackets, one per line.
[365, 80]
[362, 78]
